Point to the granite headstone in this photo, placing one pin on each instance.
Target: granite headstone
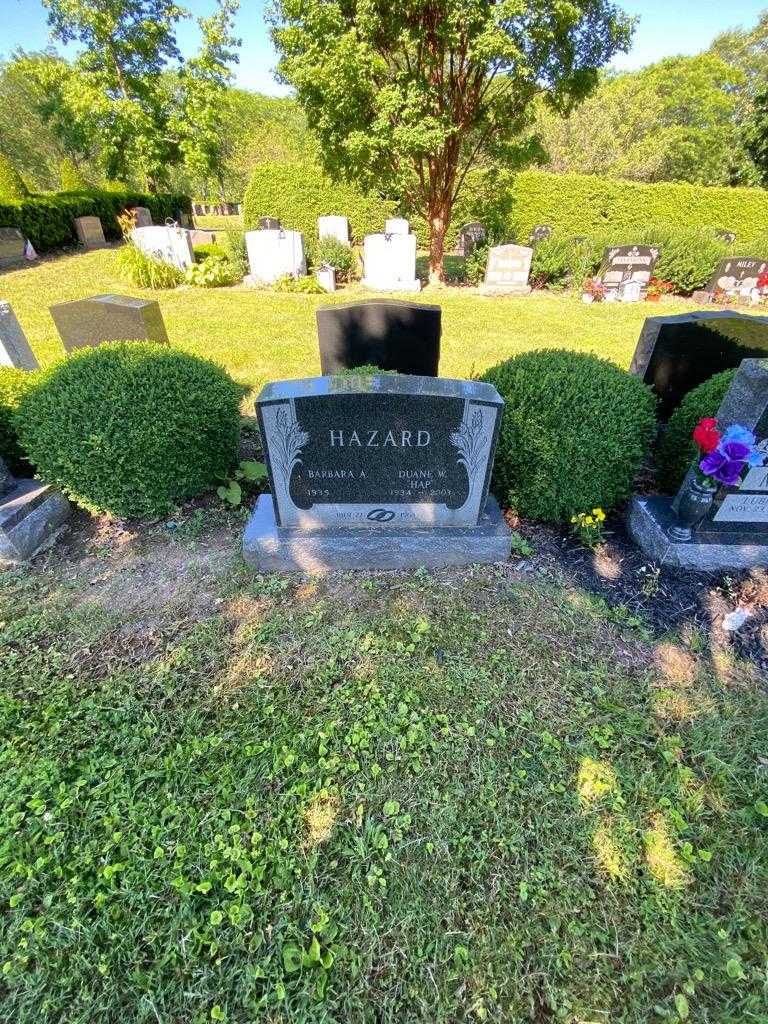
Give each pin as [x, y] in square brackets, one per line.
[32, 513]
[11, 247]
[333, 227]
[90, 233]
[269, 224]
[470, 236]
[736, 274]
[507, 270]
[734, 532]
[273, 253]
[382, 471]
[623, 263]
[87, 323]
[676, 353]
[167, 243]
[389, 261]
[396, 226]
[15, 350]
[393, 335]
[541, 232]
[143, 216]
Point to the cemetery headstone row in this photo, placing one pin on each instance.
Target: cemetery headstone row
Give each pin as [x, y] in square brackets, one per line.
[217, 209]
[377, 472]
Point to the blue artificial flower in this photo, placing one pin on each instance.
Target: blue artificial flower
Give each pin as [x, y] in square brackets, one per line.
[740, 434]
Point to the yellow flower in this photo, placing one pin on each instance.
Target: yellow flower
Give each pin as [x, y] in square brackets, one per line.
[599, 514]
[589, 520]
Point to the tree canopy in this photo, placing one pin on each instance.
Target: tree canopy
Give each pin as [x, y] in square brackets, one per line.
[407, 97]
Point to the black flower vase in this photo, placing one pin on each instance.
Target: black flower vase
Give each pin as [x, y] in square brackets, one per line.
[692, 506]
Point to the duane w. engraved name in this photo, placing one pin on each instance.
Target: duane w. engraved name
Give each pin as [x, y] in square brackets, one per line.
[380, 438]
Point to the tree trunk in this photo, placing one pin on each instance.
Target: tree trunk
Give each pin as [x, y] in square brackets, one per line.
[439, 220]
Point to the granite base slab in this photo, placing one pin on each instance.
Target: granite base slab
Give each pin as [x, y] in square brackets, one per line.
[502, 289]
[270, 548]
[31, 516]
[648, 521]
[392, 286]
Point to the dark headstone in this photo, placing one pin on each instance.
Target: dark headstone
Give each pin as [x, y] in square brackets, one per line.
[470, 236]
[737, 273]
[676, 353]
[727, 236]
[734, 531]
[11, 247]
[269, 224]
[402, 336]
[14, 347]
[90, 233]
[541, 232]
[382, 471]
[624, 263]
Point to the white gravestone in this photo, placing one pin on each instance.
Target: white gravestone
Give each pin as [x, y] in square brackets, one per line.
[166, 243]
[273, 254]
[507, 269]
[390, 263]
[333, 227]
[14, 347]
[396, 226]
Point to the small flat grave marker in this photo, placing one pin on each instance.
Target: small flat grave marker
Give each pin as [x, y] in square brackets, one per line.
[87, 323]
[377, 471]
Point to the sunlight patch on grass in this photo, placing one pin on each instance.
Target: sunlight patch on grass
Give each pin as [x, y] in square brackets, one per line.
[611, 858]
[596, 779]
[663, 862]
[242, 671]
[320, 817]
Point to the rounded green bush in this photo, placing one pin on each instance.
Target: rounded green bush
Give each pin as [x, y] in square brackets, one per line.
[677, 450]
[338, 255]
[13, 385]
[574, 432]
[132, 427]
[11, 182]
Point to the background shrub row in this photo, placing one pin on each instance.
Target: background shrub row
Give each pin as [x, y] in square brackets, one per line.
[48, 220]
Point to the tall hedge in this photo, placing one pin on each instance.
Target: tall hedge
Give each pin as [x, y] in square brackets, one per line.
[47, 219]
[298, 193]
[582, 204]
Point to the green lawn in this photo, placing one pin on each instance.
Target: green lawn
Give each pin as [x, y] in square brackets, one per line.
[431, 797]
[261, 336]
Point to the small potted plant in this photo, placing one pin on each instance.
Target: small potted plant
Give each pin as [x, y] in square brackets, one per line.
[724, 456]
[594, 290]
[656, 288]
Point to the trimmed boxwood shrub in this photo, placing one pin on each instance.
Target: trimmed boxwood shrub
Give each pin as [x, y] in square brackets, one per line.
[574, 432]
[337, 254]
[676, 449]
[13, 384]
[132, 427]
[48, 220]
[298, 193]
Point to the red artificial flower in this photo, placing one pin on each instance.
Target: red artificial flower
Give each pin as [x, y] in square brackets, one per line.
[706, 435]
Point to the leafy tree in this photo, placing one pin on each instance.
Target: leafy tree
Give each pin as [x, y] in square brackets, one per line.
[409, 96]
[115, 92]
[755, 135]
[204, 83]
[11, 183]
[72, 178]
[673, 120]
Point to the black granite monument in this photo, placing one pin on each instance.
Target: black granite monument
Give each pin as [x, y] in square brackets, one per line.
[470, 236]
[377, 472]
[269, 224]
[736, 274]
[676, 353]
[624, 263]
[393, 335]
